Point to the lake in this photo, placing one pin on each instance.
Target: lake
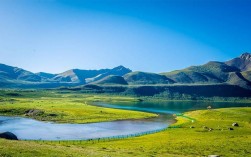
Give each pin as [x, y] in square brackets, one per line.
[31, 129]
[170, 107]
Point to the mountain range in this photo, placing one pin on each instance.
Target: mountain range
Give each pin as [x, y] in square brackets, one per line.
[17, 77]
[233, 72]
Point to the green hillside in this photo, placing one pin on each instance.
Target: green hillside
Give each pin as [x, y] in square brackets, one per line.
[235, 72]
[247, 75]
[87, 76]
[111, 80]
[212, 72]
[146, 78]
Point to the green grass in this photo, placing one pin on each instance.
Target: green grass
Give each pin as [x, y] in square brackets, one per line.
[68, 108]
[183, 141]
[195, 141]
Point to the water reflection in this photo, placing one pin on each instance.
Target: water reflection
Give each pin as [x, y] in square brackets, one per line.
[170, 107]
[31, 129]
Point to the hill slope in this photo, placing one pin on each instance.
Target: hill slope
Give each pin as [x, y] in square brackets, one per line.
[87, 76]
[13, 77]
[111, 80]
[8, 73]
[146, 78]
[46, 75]
[212, 72]
[234, 72]
[243, 62]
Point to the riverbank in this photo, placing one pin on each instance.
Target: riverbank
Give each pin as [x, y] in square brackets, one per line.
[190, 139]
[65, 109]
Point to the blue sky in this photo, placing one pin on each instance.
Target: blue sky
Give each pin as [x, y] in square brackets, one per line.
[146, 35]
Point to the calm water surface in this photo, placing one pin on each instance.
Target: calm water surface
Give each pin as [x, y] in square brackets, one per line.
[26, 128]
[170, 107]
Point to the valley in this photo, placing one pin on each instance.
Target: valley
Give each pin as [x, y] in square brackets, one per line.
[165, 114]
[125, 78]
[72, 107]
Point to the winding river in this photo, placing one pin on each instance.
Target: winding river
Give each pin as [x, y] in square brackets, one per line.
[31, 129]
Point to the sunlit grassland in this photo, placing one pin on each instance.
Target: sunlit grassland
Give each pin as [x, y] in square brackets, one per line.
[183, 141]
[66, 108]
[195, 141]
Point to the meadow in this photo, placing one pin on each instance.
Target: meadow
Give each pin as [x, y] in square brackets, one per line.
[196, 133]
[64, 108]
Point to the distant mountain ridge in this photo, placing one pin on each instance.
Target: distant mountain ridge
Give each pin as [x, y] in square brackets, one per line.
[243, 62]
[211, 72]
[111, 80]
[87, 76]
[17, 77]
[236, 71]
[143, 78]
[15, 73]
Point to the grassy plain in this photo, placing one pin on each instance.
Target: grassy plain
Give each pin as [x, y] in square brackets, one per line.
[190, 139]
[65, 108]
